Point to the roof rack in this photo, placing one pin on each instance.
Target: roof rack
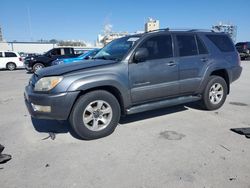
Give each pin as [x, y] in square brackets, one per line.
[181, 29]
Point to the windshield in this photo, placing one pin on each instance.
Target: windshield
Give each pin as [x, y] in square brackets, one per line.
[116, 49]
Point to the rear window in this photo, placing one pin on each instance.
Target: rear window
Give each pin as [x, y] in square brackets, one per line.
[187, 45]
[222, 42]
[10, 54]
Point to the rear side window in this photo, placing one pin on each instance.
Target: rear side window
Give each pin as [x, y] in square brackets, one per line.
[187, 45]
[201, 46]
[68, 51]
[222, 42]
[1, 54]
[159, 47]
[10, 54]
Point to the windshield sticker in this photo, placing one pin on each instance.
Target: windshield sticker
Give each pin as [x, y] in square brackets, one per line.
[133, 39]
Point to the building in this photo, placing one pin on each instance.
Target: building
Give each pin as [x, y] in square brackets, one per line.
[36, 47]
[226, 28]
[152, 24]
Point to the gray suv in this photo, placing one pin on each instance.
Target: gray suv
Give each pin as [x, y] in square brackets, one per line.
[134, 74]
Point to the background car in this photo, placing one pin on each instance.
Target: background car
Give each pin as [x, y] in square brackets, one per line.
[10, 60]
[34, 63]
[244, 49]
[87, 55]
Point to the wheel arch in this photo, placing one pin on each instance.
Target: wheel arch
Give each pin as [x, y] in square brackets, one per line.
[9, 63]
[109, 88]
[224, 74]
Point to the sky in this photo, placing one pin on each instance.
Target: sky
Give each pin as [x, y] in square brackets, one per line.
[32, 20]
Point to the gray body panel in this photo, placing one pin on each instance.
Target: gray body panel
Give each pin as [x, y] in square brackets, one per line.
[176, 79]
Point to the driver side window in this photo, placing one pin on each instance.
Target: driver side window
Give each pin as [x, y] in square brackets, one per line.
[56, 52]
[158, 47]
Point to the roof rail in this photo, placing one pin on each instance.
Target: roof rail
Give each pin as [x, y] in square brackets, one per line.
[207, 30]
[156, 30]
[181, 29]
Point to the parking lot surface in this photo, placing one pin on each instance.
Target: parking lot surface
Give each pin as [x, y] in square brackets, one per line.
[181, 146]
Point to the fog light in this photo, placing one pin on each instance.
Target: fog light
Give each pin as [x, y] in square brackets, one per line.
[39, 108]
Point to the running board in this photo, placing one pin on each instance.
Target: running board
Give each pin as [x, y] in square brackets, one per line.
[161, 104]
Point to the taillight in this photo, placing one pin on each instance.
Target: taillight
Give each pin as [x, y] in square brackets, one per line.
[20, 59]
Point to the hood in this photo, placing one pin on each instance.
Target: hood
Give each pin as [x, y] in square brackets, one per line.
[65, 68]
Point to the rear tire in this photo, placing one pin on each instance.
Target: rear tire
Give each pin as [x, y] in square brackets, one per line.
[95, 115]
[215, 93]
[37, 67]
[11, 66]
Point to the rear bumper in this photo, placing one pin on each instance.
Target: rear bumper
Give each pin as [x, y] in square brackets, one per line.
[60, 104]
[235, 73]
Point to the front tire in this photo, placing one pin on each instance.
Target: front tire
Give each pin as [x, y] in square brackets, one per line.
[95, 115]
[11, 66]
[215, 93]
[37, 67]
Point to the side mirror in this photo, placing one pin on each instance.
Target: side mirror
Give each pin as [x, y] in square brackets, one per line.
[141, 55]
[88, 57]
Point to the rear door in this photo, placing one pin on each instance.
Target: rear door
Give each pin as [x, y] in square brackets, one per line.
[157, 76]
[192, 58]
[10, 57]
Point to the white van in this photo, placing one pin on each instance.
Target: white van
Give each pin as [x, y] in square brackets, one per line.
[10, 60]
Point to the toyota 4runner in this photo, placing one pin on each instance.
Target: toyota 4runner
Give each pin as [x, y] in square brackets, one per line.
[134, 74]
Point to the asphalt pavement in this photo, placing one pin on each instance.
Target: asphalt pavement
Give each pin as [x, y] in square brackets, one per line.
[180, 146]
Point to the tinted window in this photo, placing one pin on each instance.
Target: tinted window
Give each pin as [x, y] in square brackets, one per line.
[222, 42]
[159, 47]
[56, 51]
[201, 46]
[10, 54]
[240, 44]
[68, 51]
[187, 45]
[1, 54]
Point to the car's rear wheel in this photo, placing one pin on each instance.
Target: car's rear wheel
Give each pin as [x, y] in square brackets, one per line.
[215, 93]
[11, 66]
[37, 67]
[95, 115]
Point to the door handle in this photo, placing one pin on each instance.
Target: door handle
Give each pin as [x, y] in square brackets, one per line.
[204, 59]
[171, 63]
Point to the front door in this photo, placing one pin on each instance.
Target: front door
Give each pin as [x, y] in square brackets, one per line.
[157, 76]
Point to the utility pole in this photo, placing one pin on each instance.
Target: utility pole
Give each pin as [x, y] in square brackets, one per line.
[1, 35]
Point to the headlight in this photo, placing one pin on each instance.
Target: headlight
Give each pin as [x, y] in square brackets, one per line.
[48, 83]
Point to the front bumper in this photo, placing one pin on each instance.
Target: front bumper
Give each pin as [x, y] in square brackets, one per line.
[61, 104]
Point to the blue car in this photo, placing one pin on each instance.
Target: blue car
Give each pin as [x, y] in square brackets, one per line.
[87, 55]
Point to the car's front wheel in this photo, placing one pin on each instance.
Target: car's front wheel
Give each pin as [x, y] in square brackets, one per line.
[37, 67]
[215, 93]
[95, 115]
